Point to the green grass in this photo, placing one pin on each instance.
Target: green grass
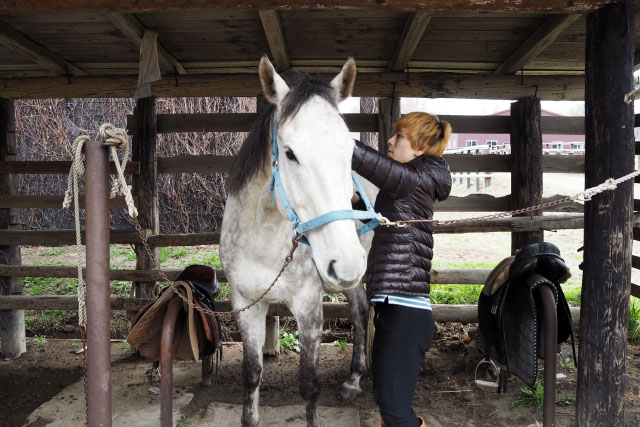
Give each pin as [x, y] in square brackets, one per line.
[40, 340]
[289, 341]
[572, 291]
[210, 258]
[455, 294]
[166, 253]
[49, 286]
[342, 344]
[438, 263]
[127, 254]
[535, 395]
[186, 421]
[634, 319]
[52, 252]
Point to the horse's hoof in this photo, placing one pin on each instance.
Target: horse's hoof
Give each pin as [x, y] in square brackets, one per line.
[349, 392]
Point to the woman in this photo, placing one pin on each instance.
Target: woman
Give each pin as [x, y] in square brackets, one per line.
[411, 177]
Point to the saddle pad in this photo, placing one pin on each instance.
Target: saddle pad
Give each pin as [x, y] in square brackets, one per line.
[146, 334]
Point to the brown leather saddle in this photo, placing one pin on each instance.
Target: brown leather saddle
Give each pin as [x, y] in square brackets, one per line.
[510, 312]
[197, 334]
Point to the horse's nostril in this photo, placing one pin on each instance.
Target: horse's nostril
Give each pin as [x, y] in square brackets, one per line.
[331, 272]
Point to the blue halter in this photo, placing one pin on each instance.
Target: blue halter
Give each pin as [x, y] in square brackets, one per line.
[300, 228]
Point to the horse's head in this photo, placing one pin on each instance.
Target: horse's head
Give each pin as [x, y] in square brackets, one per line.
[315, 150]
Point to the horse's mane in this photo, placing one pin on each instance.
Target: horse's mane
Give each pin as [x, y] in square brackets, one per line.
[256, 150]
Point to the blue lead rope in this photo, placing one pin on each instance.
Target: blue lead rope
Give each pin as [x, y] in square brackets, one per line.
[300, 228]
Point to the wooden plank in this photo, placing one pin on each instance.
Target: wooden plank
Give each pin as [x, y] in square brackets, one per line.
[55, 202]
[609, 148]
[635, 261]
[488, 203]
[423, 85]
[536, 43]
[443, 313]
[635, 290]
[37, 53]
[535, 224]
[388, 115]
[59, 237]
[45, 6]
[209, 164]
[54, 167]
[468, 276]
[131, 27]
[238, 122]
[275, 37]
[411, 34]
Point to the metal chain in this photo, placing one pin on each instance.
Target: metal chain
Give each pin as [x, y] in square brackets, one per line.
[164, 277]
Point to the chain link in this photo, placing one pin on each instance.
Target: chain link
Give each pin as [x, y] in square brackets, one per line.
[164, 277]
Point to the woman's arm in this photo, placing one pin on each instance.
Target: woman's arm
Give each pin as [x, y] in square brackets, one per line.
[392, 177]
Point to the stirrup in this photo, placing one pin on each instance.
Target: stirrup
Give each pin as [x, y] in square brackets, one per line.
[483, 383]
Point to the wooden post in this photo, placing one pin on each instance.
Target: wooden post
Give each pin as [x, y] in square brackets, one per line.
[145, 187]
[388, 115]
[526, 165]
[272, 327]
[609, 153]
[12, 333]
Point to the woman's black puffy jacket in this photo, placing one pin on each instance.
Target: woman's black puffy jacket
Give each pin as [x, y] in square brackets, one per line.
[400, 258]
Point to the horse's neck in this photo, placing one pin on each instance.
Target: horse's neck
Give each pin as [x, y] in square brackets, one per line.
[258, 211]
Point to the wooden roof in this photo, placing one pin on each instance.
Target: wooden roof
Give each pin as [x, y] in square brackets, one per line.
[477, 49]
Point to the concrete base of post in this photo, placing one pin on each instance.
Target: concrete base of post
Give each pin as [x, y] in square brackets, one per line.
[13, 342]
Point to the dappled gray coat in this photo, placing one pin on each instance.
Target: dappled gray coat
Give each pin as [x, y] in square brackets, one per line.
[399, 261]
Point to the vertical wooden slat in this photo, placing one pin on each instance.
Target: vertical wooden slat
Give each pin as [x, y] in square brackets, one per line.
[526, 165]
[606, 279]
[144, 186]
[388, 115]
[12, 333]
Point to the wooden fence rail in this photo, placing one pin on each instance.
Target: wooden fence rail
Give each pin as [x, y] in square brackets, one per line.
[469, 276]
[508, 224]
[331, 310]
[222, 164]
[358, 122]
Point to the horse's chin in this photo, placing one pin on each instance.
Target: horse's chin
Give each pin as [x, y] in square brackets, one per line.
[333, 286]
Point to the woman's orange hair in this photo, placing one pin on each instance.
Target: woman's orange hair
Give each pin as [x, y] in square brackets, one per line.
[425, 131]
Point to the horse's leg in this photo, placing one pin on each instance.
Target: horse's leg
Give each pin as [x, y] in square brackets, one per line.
[252, 328]
[359, 312]
[309, 318]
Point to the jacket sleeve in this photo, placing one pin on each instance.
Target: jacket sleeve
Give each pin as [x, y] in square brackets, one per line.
[392, 177]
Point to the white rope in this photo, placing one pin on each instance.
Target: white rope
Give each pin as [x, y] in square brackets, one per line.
[120, 140]
[609, 184]
[72, 193]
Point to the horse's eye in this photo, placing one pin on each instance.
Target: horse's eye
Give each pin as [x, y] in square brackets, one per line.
[290, 155]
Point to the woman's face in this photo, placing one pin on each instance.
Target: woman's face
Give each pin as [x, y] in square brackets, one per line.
[400, 148]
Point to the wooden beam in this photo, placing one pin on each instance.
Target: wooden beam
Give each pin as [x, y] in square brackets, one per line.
[54, 167]
[411, 34]
[275, 37]
[37, 53]
[12, 329]
[443, 313]
[421, 85]
[536, 43]
[526, 165]
[55, 202]
[132, 28]
[608, 244]
[518, 6]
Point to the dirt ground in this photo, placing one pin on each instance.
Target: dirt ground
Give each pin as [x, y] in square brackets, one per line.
[445, 389]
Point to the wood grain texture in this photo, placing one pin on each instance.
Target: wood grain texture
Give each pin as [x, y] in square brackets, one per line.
[526, 165]
[413, 30]
[275, 37]
[54, 167]
[606, 281]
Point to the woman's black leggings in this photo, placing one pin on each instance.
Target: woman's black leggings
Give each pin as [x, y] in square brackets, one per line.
[403, 335]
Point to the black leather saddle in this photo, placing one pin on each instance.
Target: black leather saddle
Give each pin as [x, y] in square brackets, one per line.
[510, 312]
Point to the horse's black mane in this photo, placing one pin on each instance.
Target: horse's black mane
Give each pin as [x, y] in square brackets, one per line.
[256, 150]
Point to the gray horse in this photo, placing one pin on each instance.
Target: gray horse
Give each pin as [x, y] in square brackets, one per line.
[315, 165]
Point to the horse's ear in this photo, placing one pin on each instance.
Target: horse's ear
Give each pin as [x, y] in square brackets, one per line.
[273, 86]
[342, 84]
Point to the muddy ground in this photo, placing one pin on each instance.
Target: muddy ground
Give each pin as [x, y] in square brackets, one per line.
[445, 389]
